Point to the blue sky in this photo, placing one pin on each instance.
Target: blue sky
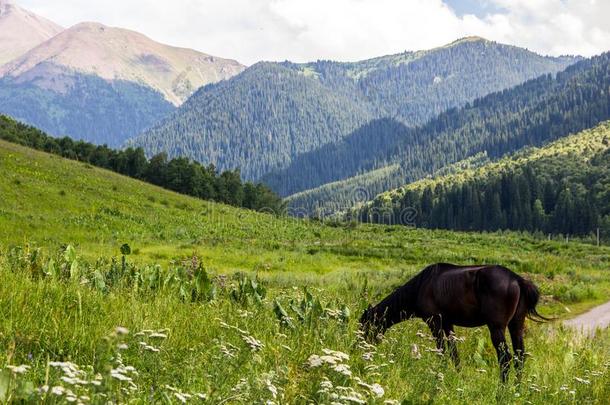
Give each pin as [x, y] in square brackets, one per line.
[479, 8]
[303, 30]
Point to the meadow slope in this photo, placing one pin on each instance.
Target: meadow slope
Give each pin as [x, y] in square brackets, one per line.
[231, 305]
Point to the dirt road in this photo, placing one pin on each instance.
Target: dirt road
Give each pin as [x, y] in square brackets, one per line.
[598, 317]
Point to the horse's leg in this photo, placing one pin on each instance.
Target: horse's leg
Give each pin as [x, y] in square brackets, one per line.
[448, 329]
[499, 341]
[516, 327]
[436, 328]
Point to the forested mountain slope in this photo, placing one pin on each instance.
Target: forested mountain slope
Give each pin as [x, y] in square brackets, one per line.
[563, 187]
[538, 111]
[264, 118]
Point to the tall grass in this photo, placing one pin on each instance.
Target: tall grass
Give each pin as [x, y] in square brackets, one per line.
[249, 340]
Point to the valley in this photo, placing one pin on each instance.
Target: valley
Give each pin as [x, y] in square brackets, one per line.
[180, 227]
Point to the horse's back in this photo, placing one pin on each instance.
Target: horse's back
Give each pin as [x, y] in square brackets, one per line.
[473, 294]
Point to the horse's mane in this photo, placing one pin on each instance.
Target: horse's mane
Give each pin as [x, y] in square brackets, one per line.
[406, 295]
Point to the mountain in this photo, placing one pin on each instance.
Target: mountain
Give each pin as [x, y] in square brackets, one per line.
[22, 30]
[117, 54]
[531, 114]
[103, 84]
[262, 119]
[563, 187]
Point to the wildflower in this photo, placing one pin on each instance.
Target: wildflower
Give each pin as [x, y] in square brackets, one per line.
[123, 346]
[481, 370]
[227, 352]
[368, 356]
[582, 380]
[342, 369]
[336, 354]
[354, 398]
[120, 330]
[415, 352]
[255, 345]
[272, 388]
[391, 402]
[180, 397]
[376, 389]
[326, 384]
[119, 376]
[22, 369]
[201, 396]
[158, 335]
[314, 361]
[58, 390]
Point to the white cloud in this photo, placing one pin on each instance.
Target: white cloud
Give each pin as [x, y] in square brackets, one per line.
[299, 30]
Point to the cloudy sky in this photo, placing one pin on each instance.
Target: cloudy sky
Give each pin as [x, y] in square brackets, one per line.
[303, 30]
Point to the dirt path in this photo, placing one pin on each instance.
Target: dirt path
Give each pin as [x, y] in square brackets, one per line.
[598, 317]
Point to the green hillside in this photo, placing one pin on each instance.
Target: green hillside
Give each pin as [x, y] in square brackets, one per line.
[262, 119]
[563, 187]
[531, 114]
[254, 293]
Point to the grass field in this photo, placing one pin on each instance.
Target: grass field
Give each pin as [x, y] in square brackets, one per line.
[234, 306]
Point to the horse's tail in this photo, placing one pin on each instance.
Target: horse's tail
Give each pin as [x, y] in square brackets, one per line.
[531, 295]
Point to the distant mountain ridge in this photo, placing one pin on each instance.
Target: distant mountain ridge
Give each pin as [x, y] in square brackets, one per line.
[22, 30]
[531, 114]
[93, 82]
[119, 54]
[263, 119]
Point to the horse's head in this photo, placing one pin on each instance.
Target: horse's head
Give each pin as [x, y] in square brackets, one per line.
[371, 325]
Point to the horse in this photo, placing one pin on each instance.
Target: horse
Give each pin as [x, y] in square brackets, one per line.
[446, 295]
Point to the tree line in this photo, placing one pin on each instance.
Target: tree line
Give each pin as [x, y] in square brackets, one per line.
[532, 114]
[180, 174]
[561, 189]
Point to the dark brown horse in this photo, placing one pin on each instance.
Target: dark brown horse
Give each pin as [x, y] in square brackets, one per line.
[446, 295]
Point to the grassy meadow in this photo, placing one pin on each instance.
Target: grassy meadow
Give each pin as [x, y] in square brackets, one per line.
[115, 290]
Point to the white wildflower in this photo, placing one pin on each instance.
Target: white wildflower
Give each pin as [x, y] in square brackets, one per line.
[201, 396]
[338, 355]
[342, 369]
[582, 380]
[255, 345]
[119, 376]
[22, 369]
[158, 335]
[314, 361]
[58, 390]
[180, 397]
[123, 346]
[368, 356]
[415, 353]
[326, 384]
[120, 330]
[376, 389]
[353, 398]
[272, 388]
